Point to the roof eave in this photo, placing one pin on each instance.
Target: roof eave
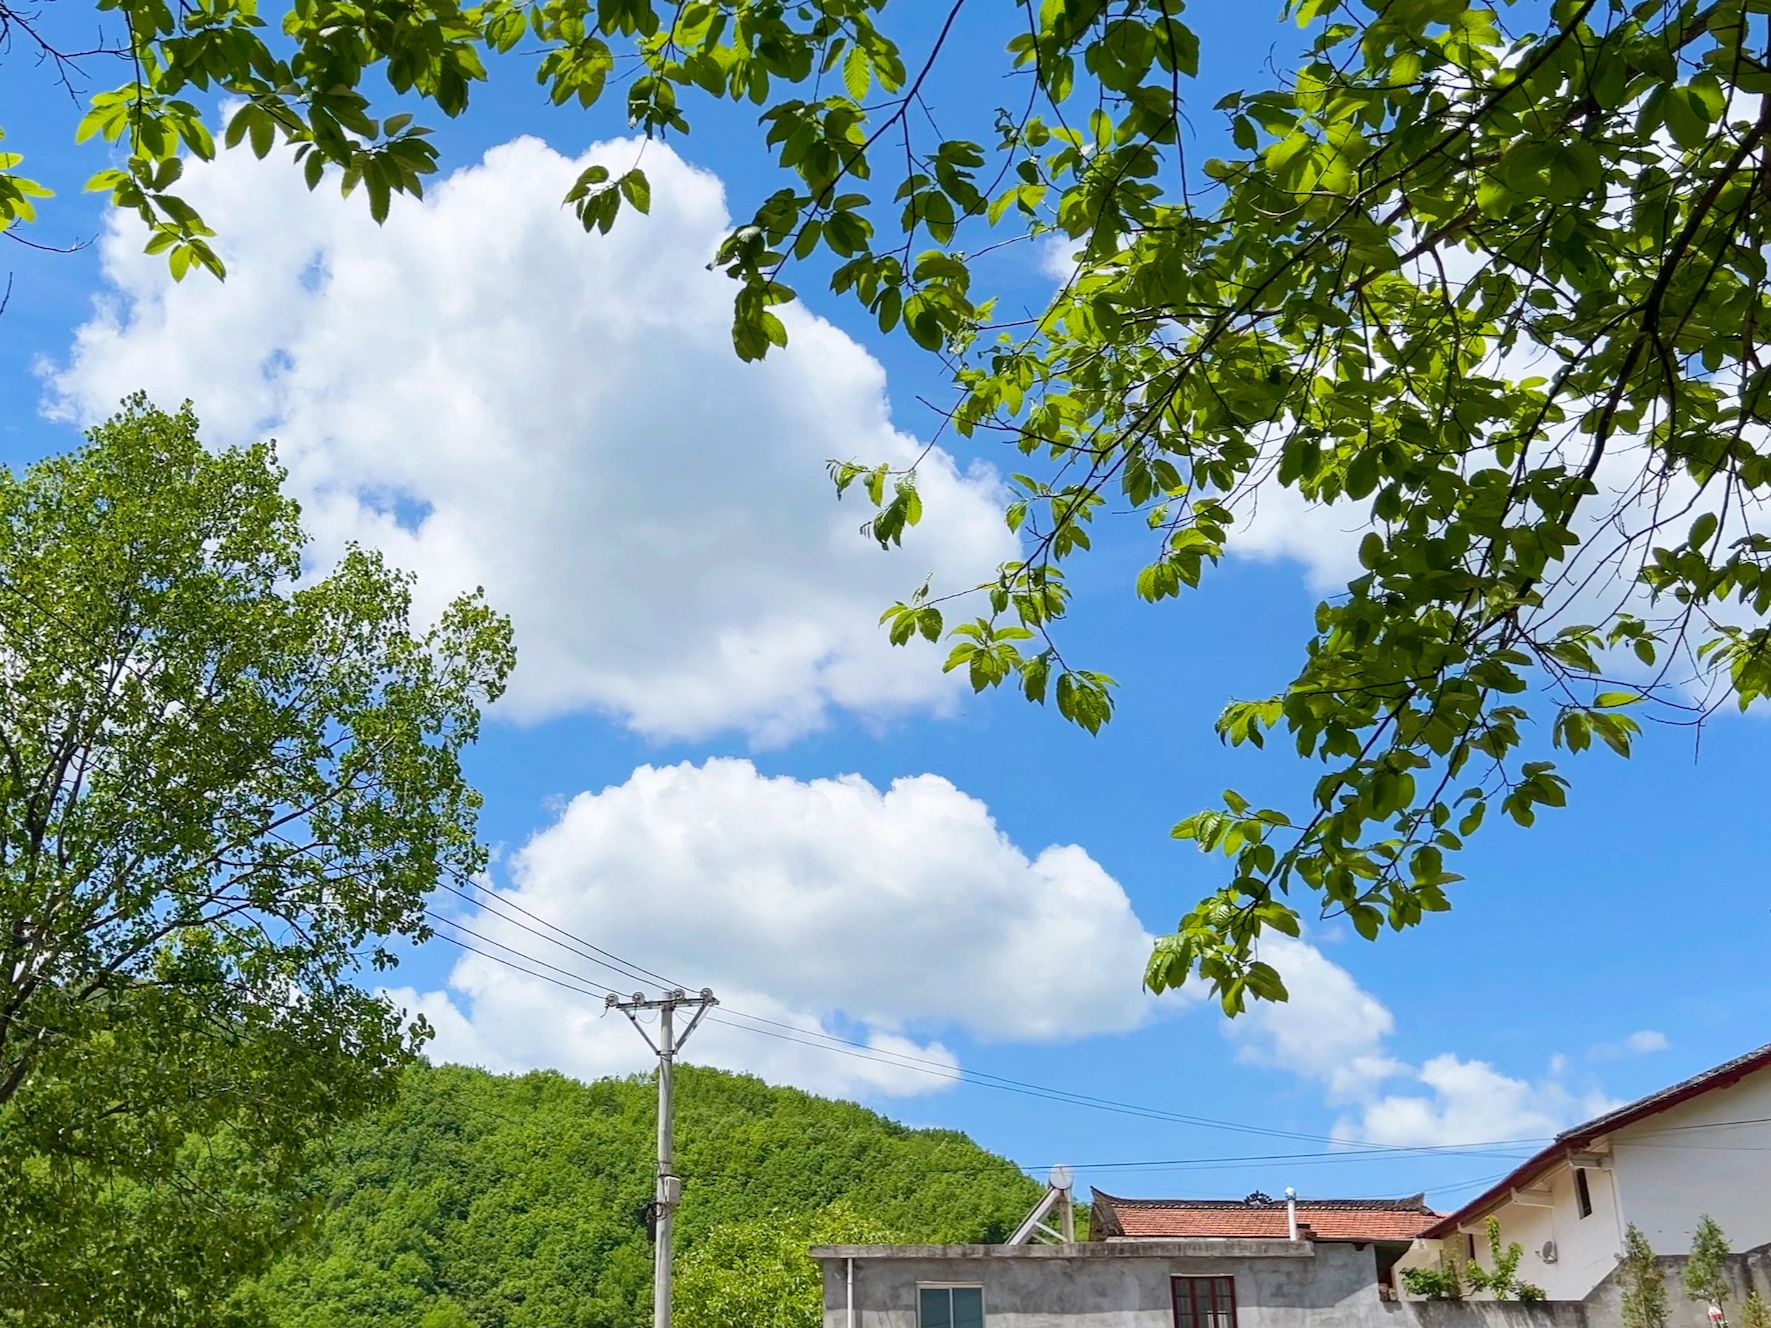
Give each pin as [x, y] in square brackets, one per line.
[1580, 1137]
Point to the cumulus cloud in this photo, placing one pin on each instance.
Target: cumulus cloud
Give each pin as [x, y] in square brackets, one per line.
[1643, 1042]
[492, 397]
[1465, 1101]
[1337, 1034]
[1331, 1029]
[892, 917]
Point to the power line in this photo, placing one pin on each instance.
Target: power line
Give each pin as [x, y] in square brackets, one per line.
[521, 954]
[839, 1045]
[863, 1051]
[818, 1039]
[834, 1043]
[608, 958]
[497, 959]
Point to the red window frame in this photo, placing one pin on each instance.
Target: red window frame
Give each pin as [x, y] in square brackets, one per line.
[1203, 1302]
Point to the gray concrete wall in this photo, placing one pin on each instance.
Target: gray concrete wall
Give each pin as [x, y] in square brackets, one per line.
[1279, 1284]
[1480, 1314]
[1747, 1272]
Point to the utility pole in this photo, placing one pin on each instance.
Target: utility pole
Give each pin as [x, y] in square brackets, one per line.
[670, 1186]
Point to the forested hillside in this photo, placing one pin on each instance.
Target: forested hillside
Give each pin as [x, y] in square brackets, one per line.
[485, 1202]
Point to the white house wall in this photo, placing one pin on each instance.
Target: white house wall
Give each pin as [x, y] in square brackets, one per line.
[1692, 1159]
[1709, 1155]
[1586, 1248]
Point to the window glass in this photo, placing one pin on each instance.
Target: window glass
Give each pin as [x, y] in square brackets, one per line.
[1184, 1317]
[1205, 1302]
[1223, 1303]
[936, 1308]
[968, 1307]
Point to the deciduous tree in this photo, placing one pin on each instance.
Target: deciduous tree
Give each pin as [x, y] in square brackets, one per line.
[1490, 281]
[222, 786]
[758, 1274]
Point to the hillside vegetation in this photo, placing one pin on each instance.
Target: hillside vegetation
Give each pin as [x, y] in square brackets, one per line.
[480, 1201]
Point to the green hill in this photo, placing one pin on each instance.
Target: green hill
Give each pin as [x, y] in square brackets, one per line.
[518, 1202]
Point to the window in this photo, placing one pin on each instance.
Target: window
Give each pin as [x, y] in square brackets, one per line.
[1583, 1198]
[950, 1307]
[1470, 1247]
[1205, 1302]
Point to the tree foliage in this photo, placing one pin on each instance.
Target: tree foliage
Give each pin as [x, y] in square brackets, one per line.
[1706, 1267]
[519, 1202]
[758, 1274]
[1500, 1279]
[217, 793]
[1644, 1303]
[1445, 1282]
[1489, 279]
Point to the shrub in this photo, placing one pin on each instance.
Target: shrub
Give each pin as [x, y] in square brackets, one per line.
[1441, 1283]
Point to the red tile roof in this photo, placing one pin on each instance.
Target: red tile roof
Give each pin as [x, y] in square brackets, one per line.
[1581, 1137]
[1259, 1217]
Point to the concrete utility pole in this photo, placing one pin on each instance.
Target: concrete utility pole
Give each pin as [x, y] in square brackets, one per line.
[670, 1186]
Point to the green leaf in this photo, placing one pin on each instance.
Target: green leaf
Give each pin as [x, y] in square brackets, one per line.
[636, 190]
[857, 73]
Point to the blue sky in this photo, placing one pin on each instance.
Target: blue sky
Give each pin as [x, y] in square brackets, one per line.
[496, 399]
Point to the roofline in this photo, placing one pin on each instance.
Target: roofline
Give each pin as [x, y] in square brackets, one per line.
[1105, 1226]
[1580, 1137]
[1408, 1203]
[1101, 1216]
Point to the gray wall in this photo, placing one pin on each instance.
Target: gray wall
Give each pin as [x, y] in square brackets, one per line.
[1747, 1272]
[1482, 1314]
[1279, 1284]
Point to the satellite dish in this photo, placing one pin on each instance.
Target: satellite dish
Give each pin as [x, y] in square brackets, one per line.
[1548, 1252]
[1060, 1177]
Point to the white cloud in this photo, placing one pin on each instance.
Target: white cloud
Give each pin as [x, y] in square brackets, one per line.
[1643, 1042]
[892, 917]
[1057, 256]
[492, 397]
[1470, 1102]
[1279, 524]
[1336, 1033]
[1331, 1029]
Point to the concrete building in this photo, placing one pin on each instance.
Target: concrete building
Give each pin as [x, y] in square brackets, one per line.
[1150, 1264]
[1701, 1146]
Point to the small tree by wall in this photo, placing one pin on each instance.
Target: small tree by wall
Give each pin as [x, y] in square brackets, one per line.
[1644, 1283]
[1442, 1283]
[1501, 1278]
[1706, 1271]
[1754, 1312]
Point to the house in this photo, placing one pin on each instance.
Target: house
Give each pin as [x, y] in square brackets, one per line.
[1165, 1263]
[1388, 1226]
[1701, 1146]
